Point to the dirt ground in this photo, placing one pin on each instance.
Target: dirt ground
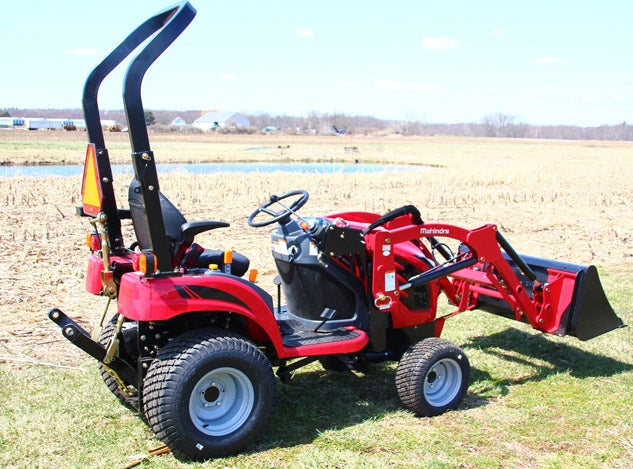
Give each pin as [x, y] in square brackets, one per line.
[569, 201]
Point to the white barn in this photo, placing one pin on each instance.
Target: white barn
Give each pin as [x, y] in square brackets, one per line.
[213, 120]
[11, 122]
[36, 123]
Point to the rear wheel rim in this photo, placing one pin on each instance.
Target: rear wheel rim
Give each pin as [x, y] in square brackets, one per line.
[221, 401]
[442, 382]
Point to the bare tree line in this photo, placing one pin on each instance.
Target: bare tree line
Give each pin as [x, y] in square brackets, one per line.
[491, 125]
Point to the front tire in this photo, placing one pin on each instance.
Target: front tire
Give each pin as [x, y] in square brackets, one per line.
[432, 377]
[208, 394]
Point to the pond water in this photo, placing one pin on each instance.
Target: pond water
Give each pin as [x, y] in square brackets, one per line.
[209, 168]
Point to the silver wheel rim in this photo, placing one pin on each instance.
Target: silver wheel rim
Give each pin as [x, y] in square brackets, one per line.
[442, 382]
[221, 401]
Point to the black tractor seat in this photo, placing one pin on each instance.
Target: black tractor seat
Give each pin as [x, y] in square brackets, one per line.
[180, 234]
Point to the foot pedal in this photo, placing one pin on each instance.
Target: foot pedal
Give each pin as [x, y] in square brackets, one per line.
[326, 315]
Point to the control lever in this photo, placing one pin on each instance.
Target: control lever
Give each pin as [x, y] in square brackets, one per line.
[327, 315]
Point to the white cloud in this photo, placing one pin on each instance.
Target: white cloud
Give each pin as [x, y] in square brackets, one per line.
[439, 43]
[83, 51]
[406, 85]
[549, 60]
[498, 33]
[348, 84]
[584, 98]
[227, 77]
[306, 33]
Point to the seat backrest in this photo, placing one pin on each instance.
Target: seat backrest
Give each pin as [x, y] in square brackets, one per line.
[172, 219]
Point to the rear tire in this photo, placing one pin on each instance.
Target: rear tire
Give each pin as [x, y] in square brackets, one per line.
[208, 394]
[432, 377]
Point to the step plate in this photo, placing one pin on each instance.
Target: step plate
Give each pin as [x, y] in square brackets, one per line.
[293, 334]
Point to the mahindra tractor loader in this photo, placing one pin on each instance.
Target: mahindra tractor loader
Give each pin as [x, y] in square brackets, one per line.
[196, 346]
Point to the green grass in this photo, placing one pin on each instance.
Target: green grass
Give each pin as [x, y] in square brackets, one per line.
[62, 417]
[534, 401]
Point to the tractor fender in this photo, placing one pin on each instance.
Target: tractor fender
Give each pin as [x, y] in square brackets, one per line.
[144, 298]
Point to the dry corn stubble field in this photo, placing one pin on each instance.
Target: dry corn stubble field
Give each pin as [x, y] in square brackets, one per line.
[533, 402]
[565, 200]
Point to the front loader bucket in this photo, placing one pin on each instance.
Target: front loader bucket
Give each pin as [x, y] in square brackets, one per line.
[578, 304]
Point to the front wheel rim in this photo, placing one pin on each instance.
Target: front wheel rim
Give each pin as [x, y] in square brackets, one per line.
[442, 382]
[221, 401]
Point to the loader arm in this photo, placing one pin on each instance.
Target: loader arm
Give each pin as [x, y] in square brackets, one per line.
[488, 274]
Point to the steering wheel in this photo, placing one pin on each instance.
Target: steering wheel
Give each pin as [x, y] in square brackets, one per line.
[300, 198]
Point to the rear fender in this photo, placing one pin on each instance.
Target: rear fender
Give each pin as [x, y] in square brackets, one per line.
[162, 298]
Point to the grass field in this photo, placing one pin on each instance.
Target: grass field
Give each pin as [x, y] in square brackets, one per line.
[535, 400]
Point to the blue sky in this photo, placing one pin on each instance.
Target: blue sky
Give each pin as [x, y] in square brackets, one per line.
[543, 62]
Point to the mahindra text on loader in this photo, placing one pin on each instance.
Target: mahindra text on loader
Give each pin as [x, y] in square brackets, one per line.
[193, 344]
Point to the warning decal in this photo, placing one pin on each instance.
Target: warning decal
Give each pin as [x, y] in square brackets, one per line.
[390, 280]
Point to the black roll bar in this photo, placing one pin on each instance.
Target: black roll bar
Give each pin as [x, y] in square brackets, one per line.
[167, 26]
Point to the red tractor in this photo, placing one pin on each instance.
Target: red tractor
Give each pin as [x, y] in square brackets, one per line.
[193, 344]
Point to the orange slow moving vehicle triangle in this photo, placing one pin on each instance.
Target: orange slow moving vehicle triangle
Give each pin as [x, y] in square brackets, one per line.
[91, 195]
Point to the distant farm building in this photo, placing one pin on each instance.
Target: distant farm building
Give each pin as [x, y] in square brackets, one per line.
[178, 121]
[6, 122]
[37, 123]
[214, 120]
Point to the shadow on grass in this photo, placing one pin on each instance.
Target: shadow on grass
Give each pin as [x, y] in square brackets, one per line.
[543, 356]
[318, 401]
